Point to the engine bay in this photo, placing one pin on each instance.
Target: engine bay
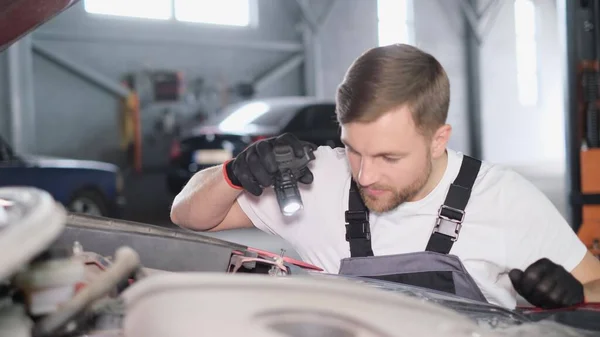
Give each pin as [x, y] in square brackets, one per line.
[54, 285]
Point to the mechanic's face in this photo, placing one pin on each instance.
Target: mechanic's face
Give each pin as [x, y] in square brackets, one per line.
[391, 161]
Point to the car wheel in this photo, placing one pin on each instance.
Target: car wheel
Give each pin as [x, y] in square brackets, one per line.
[89, 203]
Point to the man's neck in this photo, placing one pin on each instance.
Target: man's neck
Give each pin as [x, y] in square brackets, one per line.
[438, 169]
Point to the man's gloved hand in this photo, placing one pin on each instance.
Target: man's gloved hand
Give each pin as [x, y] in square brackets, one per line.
[547, 285]
[255, 167]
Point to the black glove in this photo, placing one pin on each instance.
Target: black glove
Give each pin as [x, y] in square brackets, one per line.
[547, 285]
[255, 167]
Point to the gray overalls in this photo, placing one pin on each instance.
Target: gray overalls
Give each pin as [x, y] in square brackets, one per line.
[433, 268]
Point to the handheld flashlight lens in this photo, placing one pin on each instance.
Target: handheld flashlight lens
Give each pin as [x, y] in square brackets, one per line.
[291, 207]
[288, 195]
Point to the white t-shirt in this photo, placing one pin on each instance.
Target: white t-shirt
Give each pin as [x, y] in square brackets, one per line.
[508, 223]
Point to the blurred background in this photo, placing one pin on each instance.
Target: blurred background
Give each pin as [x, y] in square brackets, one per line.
[131, 97]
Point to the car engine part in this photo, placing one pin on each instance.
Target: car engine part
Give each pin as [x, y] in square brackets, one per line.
[42, 291]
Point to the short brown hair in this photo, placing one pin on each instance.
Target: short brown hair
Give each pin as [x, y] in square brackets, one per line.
[385, 78]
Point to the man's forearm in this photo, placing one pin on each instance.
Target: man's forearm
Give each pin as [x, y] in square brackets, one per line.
[592, 291]
[204, 201]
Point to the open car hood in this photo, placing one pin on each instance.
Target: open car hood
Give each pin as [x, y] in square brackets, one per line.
[188, 263]
[18, 17]
[179, 250]
[581, 320]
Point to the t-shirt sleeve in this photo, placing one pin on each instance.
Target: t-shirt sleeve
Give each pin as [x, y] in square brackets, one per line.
[535, 228]
[264, 210]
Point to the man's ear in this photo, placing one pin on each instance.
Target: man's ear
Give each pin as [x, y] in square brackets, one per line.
[439, 140]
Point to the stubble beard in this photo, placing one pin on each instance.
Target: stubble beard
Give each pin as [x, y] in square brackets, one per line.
[389, 202]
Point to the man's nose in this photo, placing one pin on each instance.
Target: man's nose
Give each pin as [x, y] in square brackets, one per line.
[367, 174]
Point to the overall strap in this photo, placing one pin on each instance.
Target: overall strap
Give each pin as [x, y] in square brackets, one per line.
[358, 229]
[452, 213]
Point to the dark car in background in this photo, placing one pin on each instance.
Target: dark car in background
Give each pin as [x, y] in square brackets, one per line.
[82, 186]
[239, 125]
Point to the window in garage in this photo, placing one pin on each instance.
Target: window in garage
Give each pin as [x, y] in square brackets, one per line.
[155, 9]
[526, 51]
[395, 21]
[222, 12]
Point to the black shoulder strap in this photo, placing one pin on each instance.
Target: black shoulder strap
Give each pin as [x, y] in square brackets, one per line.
[358, 229]
[452, 213]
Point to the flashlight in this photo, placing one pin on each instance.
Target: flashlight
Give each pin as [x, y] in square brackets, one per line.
[286, 181]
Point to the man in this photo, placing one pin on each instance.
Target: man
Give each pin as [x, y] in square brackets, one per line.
[397, 204]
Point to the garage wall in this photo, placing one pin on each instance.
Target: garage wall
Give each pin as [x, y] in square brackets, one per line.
[512, 133]
[73, 119]
[439, 30]
[350, 29]
[113, 46]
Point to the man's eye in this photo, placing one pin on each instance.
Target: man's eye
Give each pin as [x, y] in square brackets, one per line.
[391, 159]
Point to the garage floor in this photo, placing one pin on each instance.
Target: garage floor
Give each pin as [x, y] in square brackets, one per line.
[149, 202]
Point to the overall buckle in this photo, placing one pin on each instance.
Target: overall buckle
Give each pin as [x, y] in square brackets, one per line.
[358, 230]
[357, 225]
[355, 216]
[447, 225]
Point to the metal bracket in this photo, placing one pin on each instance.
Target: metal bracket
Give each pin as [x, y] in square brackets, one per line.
[308, 15]
[313, 20]
[480, 22]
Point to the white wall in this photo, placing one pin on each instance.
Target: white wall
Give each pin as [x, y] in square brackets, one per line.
[439, 30]
[349, 31]
[63, 99]
[514, 134]
[511, 134]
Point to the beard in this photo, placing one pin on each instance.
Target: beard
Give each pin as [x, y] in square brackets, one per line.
[396, 197]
